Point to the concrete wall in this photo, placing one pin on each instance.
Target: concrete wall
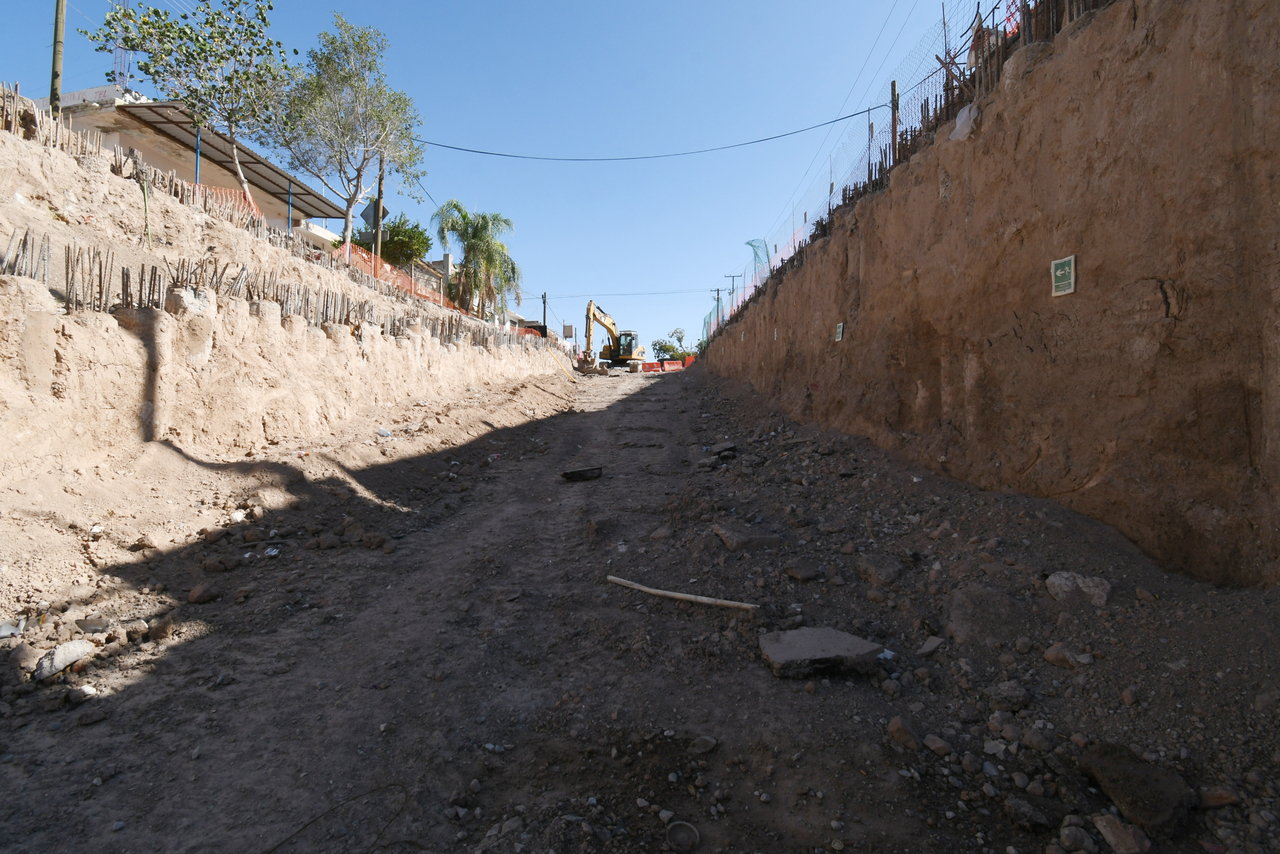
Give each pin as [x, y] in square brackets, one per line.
[1143, 142]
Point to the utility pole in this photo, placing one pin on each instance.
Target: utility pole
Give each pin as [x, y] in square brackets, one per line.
[732, 288]
[377, 214]
[55, 80]
[893, 144]
[717, 308]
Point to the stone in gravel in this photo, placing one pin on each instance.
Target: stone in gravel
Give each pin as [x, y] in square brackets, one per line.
[702, 744]
[24, 657]
[202, 594]
[61, 657]
[161, 627]
[1074, 838]
[801, 571]
[134, 630]
[328, 541]
[937, 745]
[723, 447]
[879, 570]
[736, 540]
[1023, 645]
[1217, 797]
[1036, 740]
[971, 763]
[1025, 815]
[81, 693]
[848, 548]
[801, 652]
[1147, 794]
[662, 533]
[930, 646]
[213, 535]
[96, 713]
[901, 732]
[665, 816]
[1128, 697]
[1061, 584]
[1123, 838]
[1007, 696]
[1059, 656]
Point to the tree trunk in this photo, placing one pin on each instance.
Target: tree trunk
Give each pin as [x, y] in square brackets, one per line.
[377, 215]
[235, 158]
[351, 206]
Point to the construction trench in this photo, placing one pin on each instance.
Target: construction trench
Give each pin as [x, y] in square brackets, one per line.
[278, 583]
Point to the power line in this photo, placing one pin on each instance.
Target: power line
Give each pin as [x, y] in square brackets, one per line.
[823, 144]
[636, 294]
[645, 156]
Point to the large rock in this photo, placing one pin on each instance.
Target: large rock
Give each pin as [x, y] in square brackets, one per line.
[804, 651]
[61, 657]
[1147, 794]
[1123, 838]
[879, 570]
[1062, 584]
[1007, 696]
[736, 540]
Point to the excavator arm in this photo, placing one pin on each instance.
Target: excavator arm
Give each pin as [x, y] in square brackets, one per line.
[594, 316]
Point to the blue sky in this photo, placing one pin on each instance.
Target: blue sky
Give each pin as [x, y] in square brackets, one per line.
[597, 79]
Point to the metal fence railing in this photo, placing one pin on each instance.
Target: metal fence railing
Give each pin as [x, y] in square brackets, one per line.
[951, 67]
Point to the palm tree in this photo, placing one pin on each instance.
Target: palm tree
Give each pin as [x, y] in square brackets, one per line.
[487, 275]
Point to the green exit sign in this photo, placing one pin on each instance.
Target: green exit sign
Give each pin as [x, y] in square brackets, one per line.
[1063, 275]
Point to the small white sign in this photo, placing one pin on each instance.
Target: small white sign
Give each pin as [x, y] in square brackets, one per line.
[839, 331]
[1062, 274]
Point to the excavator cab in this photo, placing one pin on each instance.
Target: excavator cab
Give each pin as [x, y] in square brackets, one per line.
[626, 344]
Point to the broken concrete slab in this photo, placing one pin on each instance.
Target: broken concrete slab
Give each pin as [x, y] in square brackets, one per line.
[722, 447]
[61, 657]
[801, 652]
[736, 540]
[930, 646]
[1147, 794]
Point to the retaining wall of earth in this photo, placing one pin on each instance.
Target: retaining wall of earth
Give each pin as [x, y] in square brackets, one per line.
[1141, 141]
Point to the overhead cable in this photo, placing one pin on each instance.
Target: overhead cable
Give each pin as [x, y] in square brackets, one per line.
[647, 156]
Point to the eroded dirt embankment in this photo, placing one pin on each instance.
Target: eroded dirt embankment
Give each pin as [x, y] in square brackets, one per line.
[1139, 142]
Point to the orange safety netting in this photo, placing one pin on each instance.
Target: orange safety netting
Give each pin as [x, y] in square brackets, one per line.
[235, 199]
[363, 259]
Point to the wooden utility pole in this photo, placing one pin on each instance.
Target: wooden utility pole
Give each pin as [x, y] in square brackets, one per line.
[377, 215]
[544, 310]
[55, 80]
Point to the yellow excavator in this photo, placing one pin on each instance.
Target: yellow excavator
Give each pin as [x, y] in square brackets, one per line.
[620, 351]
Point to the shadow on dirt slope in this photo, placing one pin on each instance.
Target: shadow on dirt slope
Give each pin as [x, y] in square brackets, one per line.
[426, 655]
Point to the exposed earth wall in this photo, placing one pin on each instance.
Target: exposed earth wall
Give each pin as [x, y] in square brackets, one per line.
[1143, 141]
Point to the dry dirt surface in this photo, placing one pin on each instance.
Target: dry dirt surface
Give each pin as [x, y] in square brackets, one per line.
[408, 642]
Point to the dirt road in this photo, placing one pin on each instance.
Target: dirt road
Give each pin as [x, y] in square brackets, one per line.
[433, 660]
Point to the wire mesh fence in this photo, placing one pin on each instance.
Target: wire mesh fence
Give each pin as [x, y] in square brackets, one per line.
[953, 64]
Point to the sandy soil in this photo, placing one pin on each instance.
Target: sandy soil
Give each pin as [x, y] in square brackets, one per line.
[435, 661]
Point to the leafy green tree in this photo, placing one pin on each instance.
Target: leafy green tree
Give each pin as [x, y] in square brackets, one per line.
[663, 349]
[487, 275]
[405, 242]
[341, 118]
[219, 62]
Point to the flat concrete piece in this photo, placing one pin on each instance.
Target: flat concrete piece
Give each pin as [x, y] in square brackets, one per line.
[736, 540]
[804, 651]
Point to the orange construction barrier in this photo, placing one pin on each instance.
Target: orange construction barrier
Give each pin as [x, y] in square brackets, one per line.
[672, 366]
[650, 367]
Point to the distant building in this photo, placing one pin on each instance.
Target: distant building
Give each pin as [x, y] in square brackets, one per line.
[164, 136]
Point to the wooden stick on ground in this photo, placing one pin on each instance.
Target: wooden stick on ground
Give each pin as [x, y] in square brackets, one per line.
[683, 597]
